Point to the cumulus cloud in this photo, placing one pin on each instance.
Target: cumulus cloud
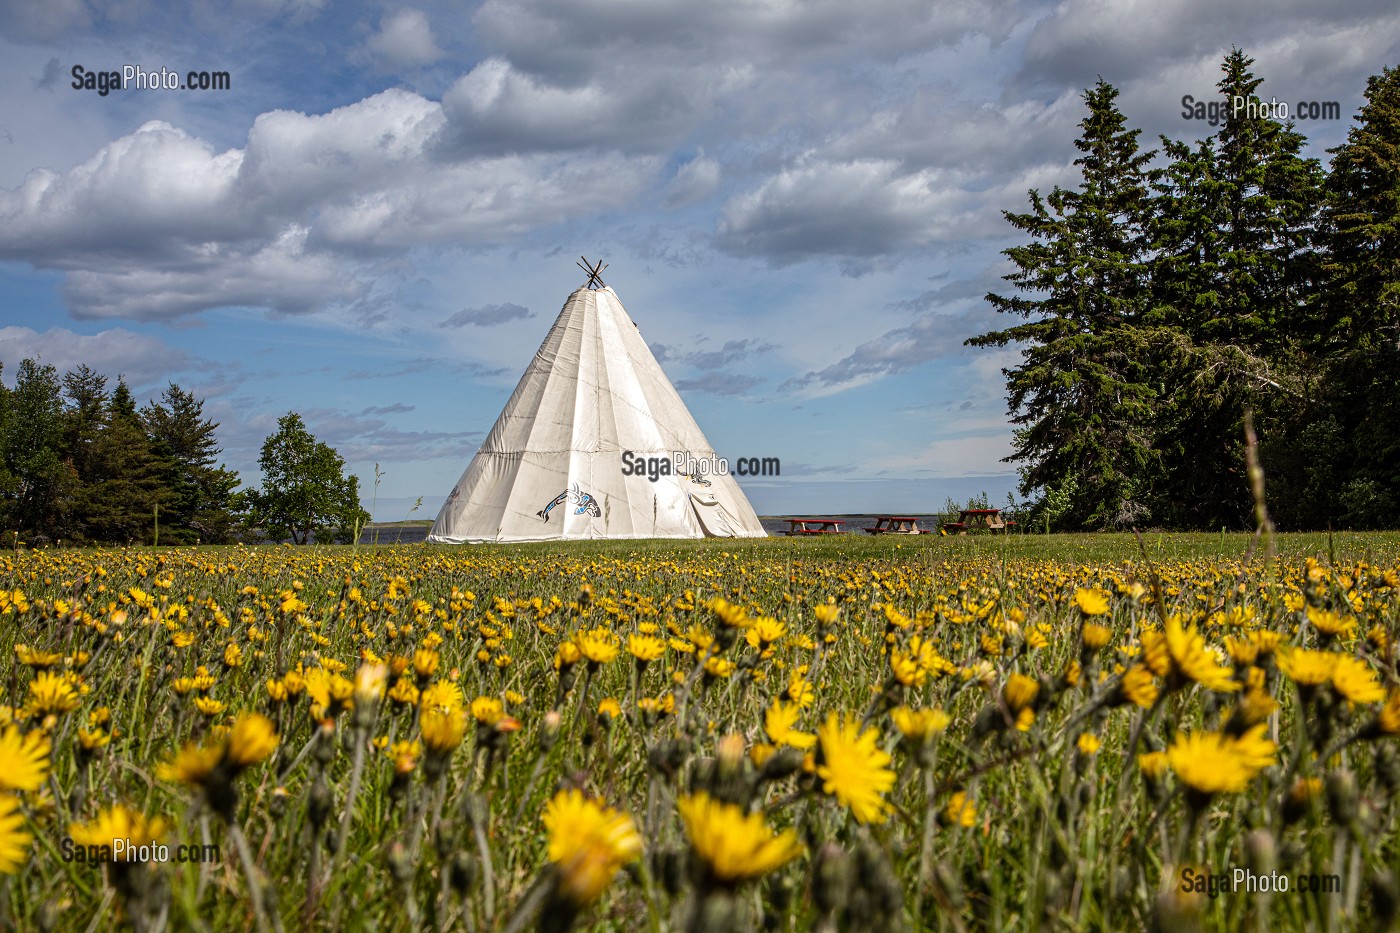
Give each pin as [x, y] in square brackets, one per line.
[1136, 39]
[733, 351]
[405, 40]
[719, 382]
[159, 224]
[929, 337]
[142, 360]
[44, 22]
[861, 209]
[693, 182]
[488, 315]
[497, 107]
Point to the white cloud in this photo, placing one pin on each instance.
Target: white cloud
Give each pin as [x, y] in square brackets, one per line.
[693, 182]
[405, 39]
[144, 361]
[158, 224]
[862, 209]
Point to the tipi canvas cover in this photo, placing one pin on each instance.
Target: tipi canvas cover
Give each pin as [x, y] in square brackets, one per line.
[552, 468]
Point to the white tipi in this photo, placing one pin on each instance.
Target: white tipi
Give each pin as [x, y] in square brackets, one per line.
[553, 467]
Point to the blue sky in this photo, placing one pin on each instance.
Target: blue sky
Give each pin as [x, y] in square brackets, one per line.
[377, 222]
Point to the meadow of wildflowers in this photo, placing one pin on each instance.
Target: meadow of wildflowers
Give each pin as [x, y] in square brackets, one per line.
[1026, 733]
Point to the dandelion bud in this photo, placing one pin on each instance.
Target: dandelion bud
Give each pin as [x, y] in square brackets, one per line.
[989, 720]
[669, 866]
[1385, 899]
[782, 763]
[370, 683]
[549, 730]
[400, 865]
[1262, 852]
[666, 758]
[323, 752]
[730, 755]
[1388, 767]
[1342, 796]
[278, 805]
[831, 879]
[319, 801]
[716, 913]
[462, 873]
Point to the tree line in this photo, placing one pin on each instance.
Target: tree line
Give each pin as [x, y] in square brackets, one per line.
[1178, 288]
[81, 464]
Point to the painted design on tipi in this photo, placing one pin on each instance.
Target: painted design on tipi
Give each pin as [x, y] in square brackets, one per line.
[574, 496]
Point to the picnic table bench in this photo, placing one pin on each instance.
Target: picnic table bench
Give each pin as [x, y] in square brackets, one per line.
[895, 525]
[815, 526]
[977, 520]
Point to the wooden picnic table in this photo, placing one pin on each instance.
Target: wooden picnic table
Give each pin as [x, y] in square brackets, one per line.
[815, 526]
[977, 520]
[895, 525]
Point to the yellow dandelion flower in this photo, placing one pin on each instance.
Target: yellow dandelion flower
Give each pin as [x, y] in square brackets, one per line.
[919, 725]
[14, 841]
[404, 693]
[35, 658]
[1214, 763]
[729, 615]
[1095, 636]
[598, 646]
[645, 648]
[1388, 719]
[118, 821]
[252, 738]
[487, 710]
[734, 846]
[589, 842]
[443, 696]
[1153, 765]
[1354, 679]
[765, 630]
[1179, 654]
[1137, 687]
[779, 721]
[442, 730]
[209, 706]
[1088, 743]
[24, 759]
[1330, 622]
[854, 768]
[50, 693]
[1306, 667]
[960, 810]
[1020, 692]
[1091, 602]
[92, 741]
[193, 765]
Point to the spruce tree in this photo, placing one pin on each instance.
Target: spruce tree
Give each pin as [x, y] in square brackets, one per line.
[201, 491]
[1361, 232]
[38, 483]
[1079, 393]
[1233, 275]
[119, 504]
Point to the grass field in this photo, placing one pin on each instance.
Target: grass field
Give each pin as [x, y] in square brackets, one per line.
[1024, 732]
